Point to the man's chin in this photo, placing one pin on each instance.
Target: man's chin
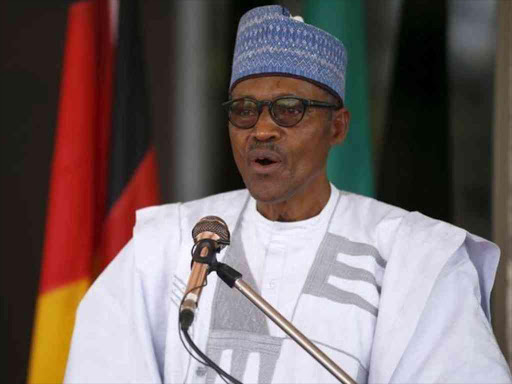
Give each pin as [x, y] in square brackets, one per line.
[268, 195]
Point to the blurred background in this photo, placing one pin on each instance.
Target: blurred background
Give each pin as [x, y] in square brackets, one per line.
[429, 84]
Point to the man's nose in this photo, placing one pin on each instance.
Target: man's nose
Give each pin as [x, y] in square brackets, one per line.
[266, 129]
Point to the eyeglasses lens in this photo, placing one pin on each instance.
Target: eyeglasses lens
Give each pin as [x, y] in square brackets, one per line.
[243, 113]
[286, 112]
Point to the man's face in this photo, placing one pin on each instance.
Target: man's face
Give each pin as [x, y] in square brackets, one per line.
[277, 162]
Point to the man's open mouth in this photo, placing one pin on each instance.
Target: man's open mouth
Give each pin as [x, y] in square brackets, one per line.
[263, 159]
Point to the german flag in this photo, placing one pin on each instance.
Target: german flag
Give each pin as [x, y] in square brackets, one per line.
[103, 169]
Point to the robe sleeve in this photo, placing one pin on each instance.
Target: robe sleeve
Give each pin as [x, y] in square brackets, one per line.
[112, 340]
[453, 341]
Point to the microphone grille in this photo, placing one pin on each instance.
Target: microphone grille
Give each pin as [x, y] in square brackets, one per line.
[212, 224]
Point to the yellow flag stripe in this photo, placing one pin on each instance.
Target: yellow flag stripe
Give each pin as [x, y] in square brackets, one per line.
[55, 318]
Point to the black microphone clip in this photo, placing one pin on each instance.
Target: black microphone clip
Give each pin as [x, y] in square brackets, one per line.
[210, 259]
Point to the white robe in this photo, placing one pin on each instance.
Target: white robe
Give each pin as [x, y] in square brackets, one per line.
[430, 322]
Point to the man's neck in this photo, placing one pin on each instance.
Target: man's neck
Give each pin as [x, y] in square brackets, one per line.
[303, 205]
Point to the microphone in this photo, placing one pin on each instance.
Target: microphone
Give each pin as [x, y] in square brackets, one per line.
[210, 229]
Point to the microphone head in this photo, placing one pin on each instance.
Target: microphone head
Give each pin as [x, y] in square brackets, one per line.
[214, 225]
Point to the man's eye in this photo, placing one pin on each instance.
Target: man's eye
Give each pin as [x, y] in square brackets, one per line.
[247, 112]
[243, 108]
[289, 110]
[292, 111]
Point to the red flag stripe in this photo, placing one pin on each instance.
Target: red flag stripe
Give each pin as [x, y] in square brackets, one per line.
[78, 178]
[141, 191]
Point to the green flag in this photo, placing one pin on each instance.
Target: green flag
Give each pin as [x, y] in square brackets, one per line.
[349, 166]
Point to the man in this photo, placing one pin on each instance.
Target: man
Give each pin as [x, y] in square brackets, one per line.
[390, 296]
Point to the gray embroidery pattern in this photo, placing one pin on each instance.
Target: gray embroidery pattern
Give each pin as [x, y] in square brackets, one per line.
[239, 326]
[326, 265]
[177, 290]
[241, 344]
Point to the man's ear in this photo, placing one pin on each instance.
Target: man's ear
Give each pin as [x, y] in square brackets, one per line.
[339, 125]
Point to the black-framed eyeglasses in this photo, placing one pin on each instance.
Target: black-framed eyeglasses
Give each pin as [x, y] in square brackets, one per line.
[286, 111]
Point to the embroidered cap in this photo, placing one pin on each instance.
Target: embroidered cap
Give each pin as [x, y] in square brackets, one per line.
[270, 41]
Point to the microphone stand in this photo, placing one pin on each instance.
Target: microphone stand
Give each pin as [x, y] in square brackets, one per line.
[233, 278]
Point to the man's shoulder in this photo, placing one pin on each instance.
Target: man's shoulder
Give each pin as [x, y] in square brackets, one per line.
[164, 228]
[389, 228]
[375, 212]
[365, 204]
[367, 220]
[174, 212]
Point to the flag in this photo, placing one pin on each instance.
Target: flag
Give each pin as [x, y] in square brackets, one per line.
[349, 166]
[103, 169]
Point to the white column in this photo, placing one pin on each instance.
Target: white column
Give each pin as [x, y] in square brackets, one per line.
[200, 39]
[502, 186]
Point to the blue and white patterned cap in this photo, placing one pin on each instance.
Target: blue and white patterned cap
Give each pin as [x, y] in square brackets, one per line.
[270, 41]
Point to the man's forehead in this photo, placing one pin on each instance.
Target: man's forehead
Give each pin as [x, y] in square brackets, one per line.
[275, 85]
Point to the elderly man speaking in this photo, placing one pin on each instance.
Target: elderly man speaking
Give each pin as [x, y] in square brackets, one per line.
[388, 295]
